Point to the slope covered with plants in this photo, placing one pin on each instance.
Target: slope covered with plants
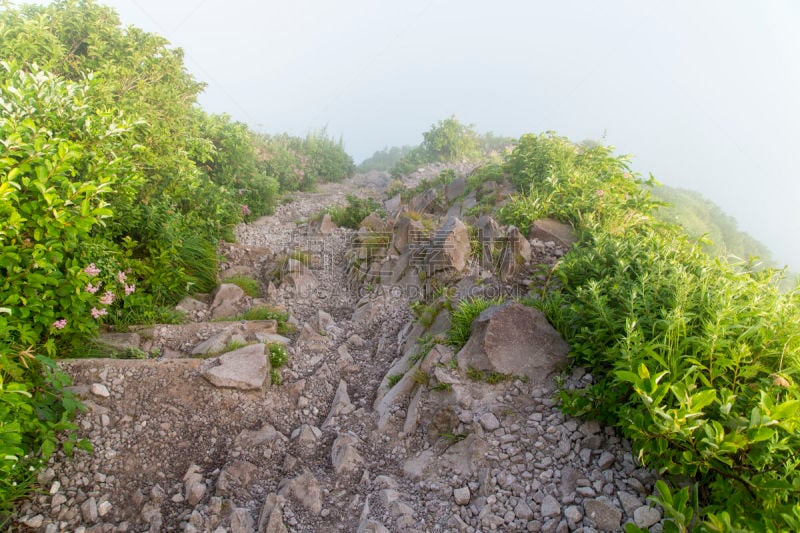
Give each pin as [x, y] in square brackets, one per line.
[115, 189]
[695, 359]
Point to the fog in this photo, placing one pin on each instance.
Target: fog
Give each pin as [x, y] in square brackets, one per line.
[705, 95]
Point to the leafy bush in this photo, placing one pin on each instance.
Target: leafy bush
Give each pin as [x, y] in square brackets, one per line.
[278, 355]
[300, 163]
[446, 141]
[694, 359]
[701, 218]
[384, 159]
[356, 210]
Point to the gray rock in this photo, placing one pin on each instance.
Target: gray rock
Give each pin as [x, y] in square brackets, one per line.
[194, 488]
[322, 226]
[573, 514]
[344, 455]
[237, 475]
[214, 344]
[245, 369]
[462, 495]
[606, 460]
[120, 341]
[228, 301]
[190, 305]
[98, 389]
[89, 510]
[489, 421]
[549, 230]
[523, 511]
[252, 438]
[514, 339]
[270, 520]
[305, 489]
[550, 507]
[423, 201]
[645, 516]
[407, 233]
[602, 515]
[241, 521]
[450, 247]
[341, 404]
[455, 189]
[516, 253]
[629, 502]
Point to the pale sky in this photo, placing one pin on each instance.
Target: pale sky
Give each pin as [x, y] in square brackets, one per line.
[706, 95]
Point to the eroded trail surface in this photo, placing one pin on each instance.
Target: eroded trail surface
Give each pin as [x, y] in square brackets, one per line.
[376, 425]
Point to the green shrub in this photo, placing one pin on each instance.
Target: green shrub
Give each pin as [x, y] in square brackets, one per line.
[278, 355]
[356, 210]
[384, 159]
[693, 359]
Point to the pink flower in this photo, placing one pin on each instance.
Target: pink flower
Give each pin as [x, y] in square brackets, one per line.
[600, 192]
[92, 270]
[97, 313]
[107, 298]
[91, 289]
[60, 323]
[129, 289]
[245, 210]
[121, 277]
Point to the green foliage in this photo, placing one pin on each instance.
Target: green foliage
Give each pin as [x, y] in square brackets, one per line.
[394, 379]
[384, 159]
[35, 411]
[700, 217]
[462, 317]
[449, 140]
[446, 141]
[298, 164]
[356, 210]
[694, 359]
[249, 285]
[267, 313]
[278, 355]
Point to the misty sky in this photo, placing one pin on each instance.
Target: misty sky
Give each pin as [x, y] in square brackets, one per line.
[706, 95]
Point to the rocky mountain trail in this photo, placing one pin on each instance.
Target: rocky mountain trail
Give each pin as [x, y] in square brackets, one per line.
[378, 424]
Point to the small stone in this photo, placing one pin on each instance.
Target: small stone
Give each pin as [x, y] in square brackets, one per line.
[645, 516]
[89, 510]
[489, 421]
[602, 514]
[98, 389]
[55, 487]
[573, 514]
[104, 508]
[523, 510]
[550, 507]
[462, 495]
[606, 460]
[34, 522]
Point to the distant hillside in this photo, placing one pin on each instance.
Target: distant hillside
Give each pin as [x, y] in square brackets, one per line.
[702, 217]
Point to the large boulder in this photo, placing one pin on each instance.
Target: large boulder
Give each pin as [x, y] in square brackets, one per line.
[423, 201]
[488, 235]
[514, 339]
[455, 189]
[229, 300]
[549, 230]
[516, 253]
[406, 233]
[450, 246]
[245, 369]
[322, 226]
